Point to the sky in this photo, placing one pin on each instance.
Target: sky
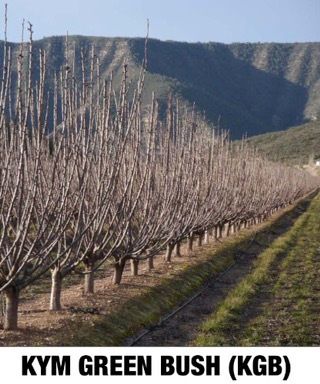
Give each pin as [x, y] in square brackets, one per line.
[224, 21]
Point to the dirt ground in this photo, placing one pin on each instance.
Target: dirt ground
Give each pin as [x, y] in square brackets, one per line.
[39, 326]
[180, 329]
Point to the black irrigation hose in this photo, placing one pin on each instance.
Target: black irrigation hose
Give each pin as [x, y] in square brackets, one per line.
[170, 315]
[190, 300]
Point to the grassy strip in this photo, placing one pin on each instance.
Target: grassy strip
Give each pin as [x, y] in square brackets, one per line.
[231, 324]
[152, 304]
[291, 315]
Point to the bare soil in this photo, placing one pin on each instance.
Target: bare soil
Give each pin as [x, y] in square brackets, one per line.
[39, 326]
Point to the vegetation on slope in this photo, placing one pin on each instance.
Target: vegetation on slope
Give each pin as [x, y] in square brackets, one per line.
[295, 146]
[254, 88]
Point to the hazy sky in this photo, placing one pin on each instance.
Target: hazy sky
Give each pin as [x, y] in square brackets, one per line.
[223, 21]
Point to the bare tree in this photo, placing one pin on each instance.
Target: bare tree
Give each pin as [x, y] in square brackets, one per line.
[112, 182]
[36, 201]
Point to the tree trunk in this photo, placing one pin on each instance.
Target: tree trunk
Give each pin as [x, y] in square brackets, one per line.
[134, 267]
[118, 271]
[190, 242]
[219, 231]
[177, 249]
[150, 263]
[200, 237]
[89, 276]
[231, 230]
[169, 250]
[206, 237]
[11, 314]
[215, 233]
[227, 228]
[56, 282]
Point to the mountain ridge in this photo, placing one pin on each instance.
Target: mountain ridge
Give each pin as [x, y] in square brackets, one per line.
[251, 88]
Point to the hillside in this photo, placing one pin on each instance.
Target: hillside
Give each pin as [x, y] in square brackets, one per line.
[253, 88]
[294, 146]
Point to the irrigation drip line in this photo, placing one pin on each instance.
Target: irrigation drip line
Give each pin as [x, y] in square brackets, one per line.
[192, 298]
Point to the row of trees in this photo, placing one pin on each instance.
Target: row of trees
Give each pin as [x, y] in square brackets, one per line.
[111, 181]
